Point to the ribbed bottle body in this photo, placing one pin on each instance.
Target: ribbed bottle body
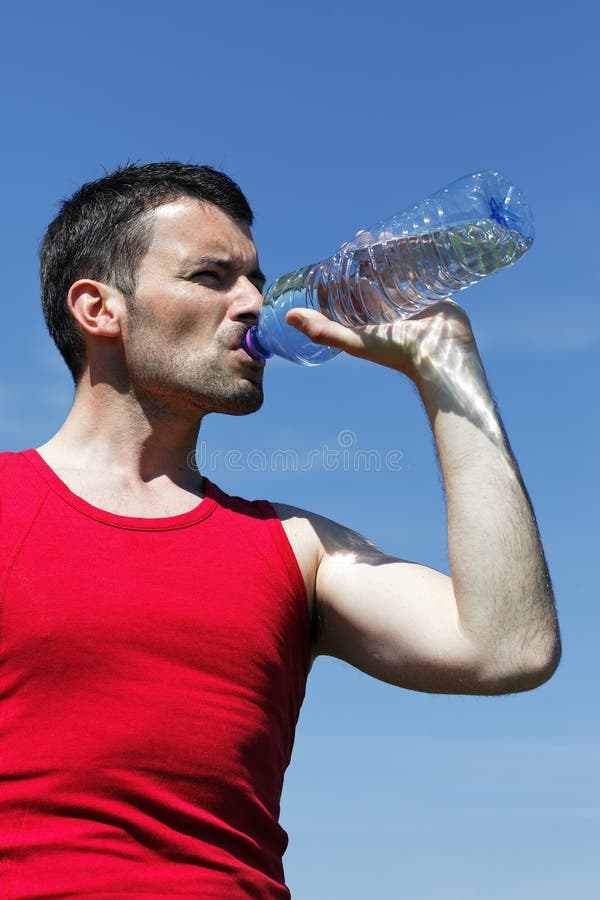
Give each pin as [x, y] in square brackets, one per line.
[397, 277]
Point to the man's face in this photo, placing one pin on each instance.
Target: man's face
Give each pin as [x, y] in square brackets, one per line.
[198, 290]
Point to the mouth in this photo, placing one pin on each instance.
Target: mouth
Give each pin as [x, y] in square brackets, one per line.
[238, 346]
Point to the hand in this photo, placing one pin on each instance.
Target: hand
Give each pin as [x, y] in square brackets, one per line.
[422, 346]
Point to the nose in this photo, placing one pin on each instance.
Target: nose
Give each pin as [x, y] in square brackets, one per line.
[249, 301]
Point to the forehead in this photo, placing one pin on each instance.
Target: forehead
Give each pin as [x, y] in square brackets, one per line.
[185, 228]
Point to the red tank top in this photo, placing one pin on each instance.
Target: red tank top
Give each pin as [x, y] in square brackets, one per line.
[151, 677]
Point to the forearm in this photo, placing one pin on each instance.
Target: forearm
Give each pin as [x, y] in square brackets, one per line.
[499, 573]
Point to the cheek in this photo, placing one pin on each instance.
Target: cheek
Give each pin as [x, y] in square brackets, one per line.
[164, 328]
[198, 320]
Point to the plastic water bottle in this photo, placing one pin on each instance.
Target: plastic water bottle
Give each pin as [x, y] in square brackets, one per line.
[401, 265]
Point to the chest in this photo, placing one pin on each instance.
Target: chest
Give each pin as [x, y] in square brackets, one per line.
[104, 601]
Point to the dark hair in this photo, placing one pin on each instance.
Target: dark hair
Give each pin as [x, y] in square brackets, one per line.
[102, 233]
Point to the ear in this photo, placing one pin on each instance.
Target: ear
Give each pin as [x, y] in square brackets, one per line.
[97, 307]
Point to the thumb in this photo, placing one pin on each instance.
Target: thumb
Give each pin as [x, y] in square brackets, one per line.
[322, 330]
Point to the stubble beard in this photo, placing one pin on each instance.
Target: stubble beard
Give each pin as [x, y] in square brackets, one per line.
[201, 385]
[217, 390]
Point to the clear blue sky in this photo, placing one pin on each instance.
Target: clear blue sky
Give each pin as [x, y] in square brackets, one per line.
[331, 116]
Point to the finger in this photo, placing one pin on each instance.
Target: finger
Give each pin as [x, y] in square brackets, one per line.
[322, 330]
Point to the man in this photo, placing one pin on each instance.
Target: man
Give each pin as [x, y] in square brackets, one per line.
[157, 633]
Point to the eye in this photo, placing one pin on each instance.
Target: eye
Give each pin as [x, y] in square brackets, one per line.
[206, 273]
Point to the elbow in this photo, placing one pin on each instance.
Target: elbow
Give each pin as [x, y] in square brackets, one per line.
[543, 664]
[530, 669]
[533, 675]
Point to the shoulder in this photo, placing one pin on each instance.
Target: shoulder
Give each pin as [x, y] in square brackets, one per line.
[298, 525]
[21, 491]
[10, 465]
[316, 534]
[7, 457]
[301, 527]
[321, 544]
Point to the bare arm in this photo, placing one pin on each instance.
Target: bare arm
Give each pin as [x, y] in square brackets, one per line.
[491, 626]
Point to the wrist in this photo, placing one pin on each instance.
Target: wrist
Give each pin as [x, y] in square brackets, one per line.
[452, 375]
[449, 368]
[458, 401]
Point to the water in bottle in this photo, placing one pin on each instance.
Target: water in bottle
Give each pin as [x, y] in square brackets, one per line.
[473, 227]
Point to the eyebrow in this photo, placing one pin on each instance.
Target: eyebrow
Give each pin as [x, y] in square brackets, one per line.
[198, 262]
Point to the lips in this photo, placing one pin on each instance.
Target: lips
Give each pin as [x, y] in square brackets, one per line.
[237, 345]
[235, 339]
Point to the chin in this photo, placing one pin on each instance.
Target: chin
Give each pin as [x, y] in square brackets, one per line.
[249, 405]
[240, 403]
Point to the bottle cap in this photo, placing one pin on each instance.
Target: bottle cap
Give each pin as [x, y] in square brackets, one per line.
[253, 347]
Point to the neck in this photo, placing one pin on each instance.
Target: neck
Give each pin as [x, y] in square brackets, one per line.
[129, 438]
